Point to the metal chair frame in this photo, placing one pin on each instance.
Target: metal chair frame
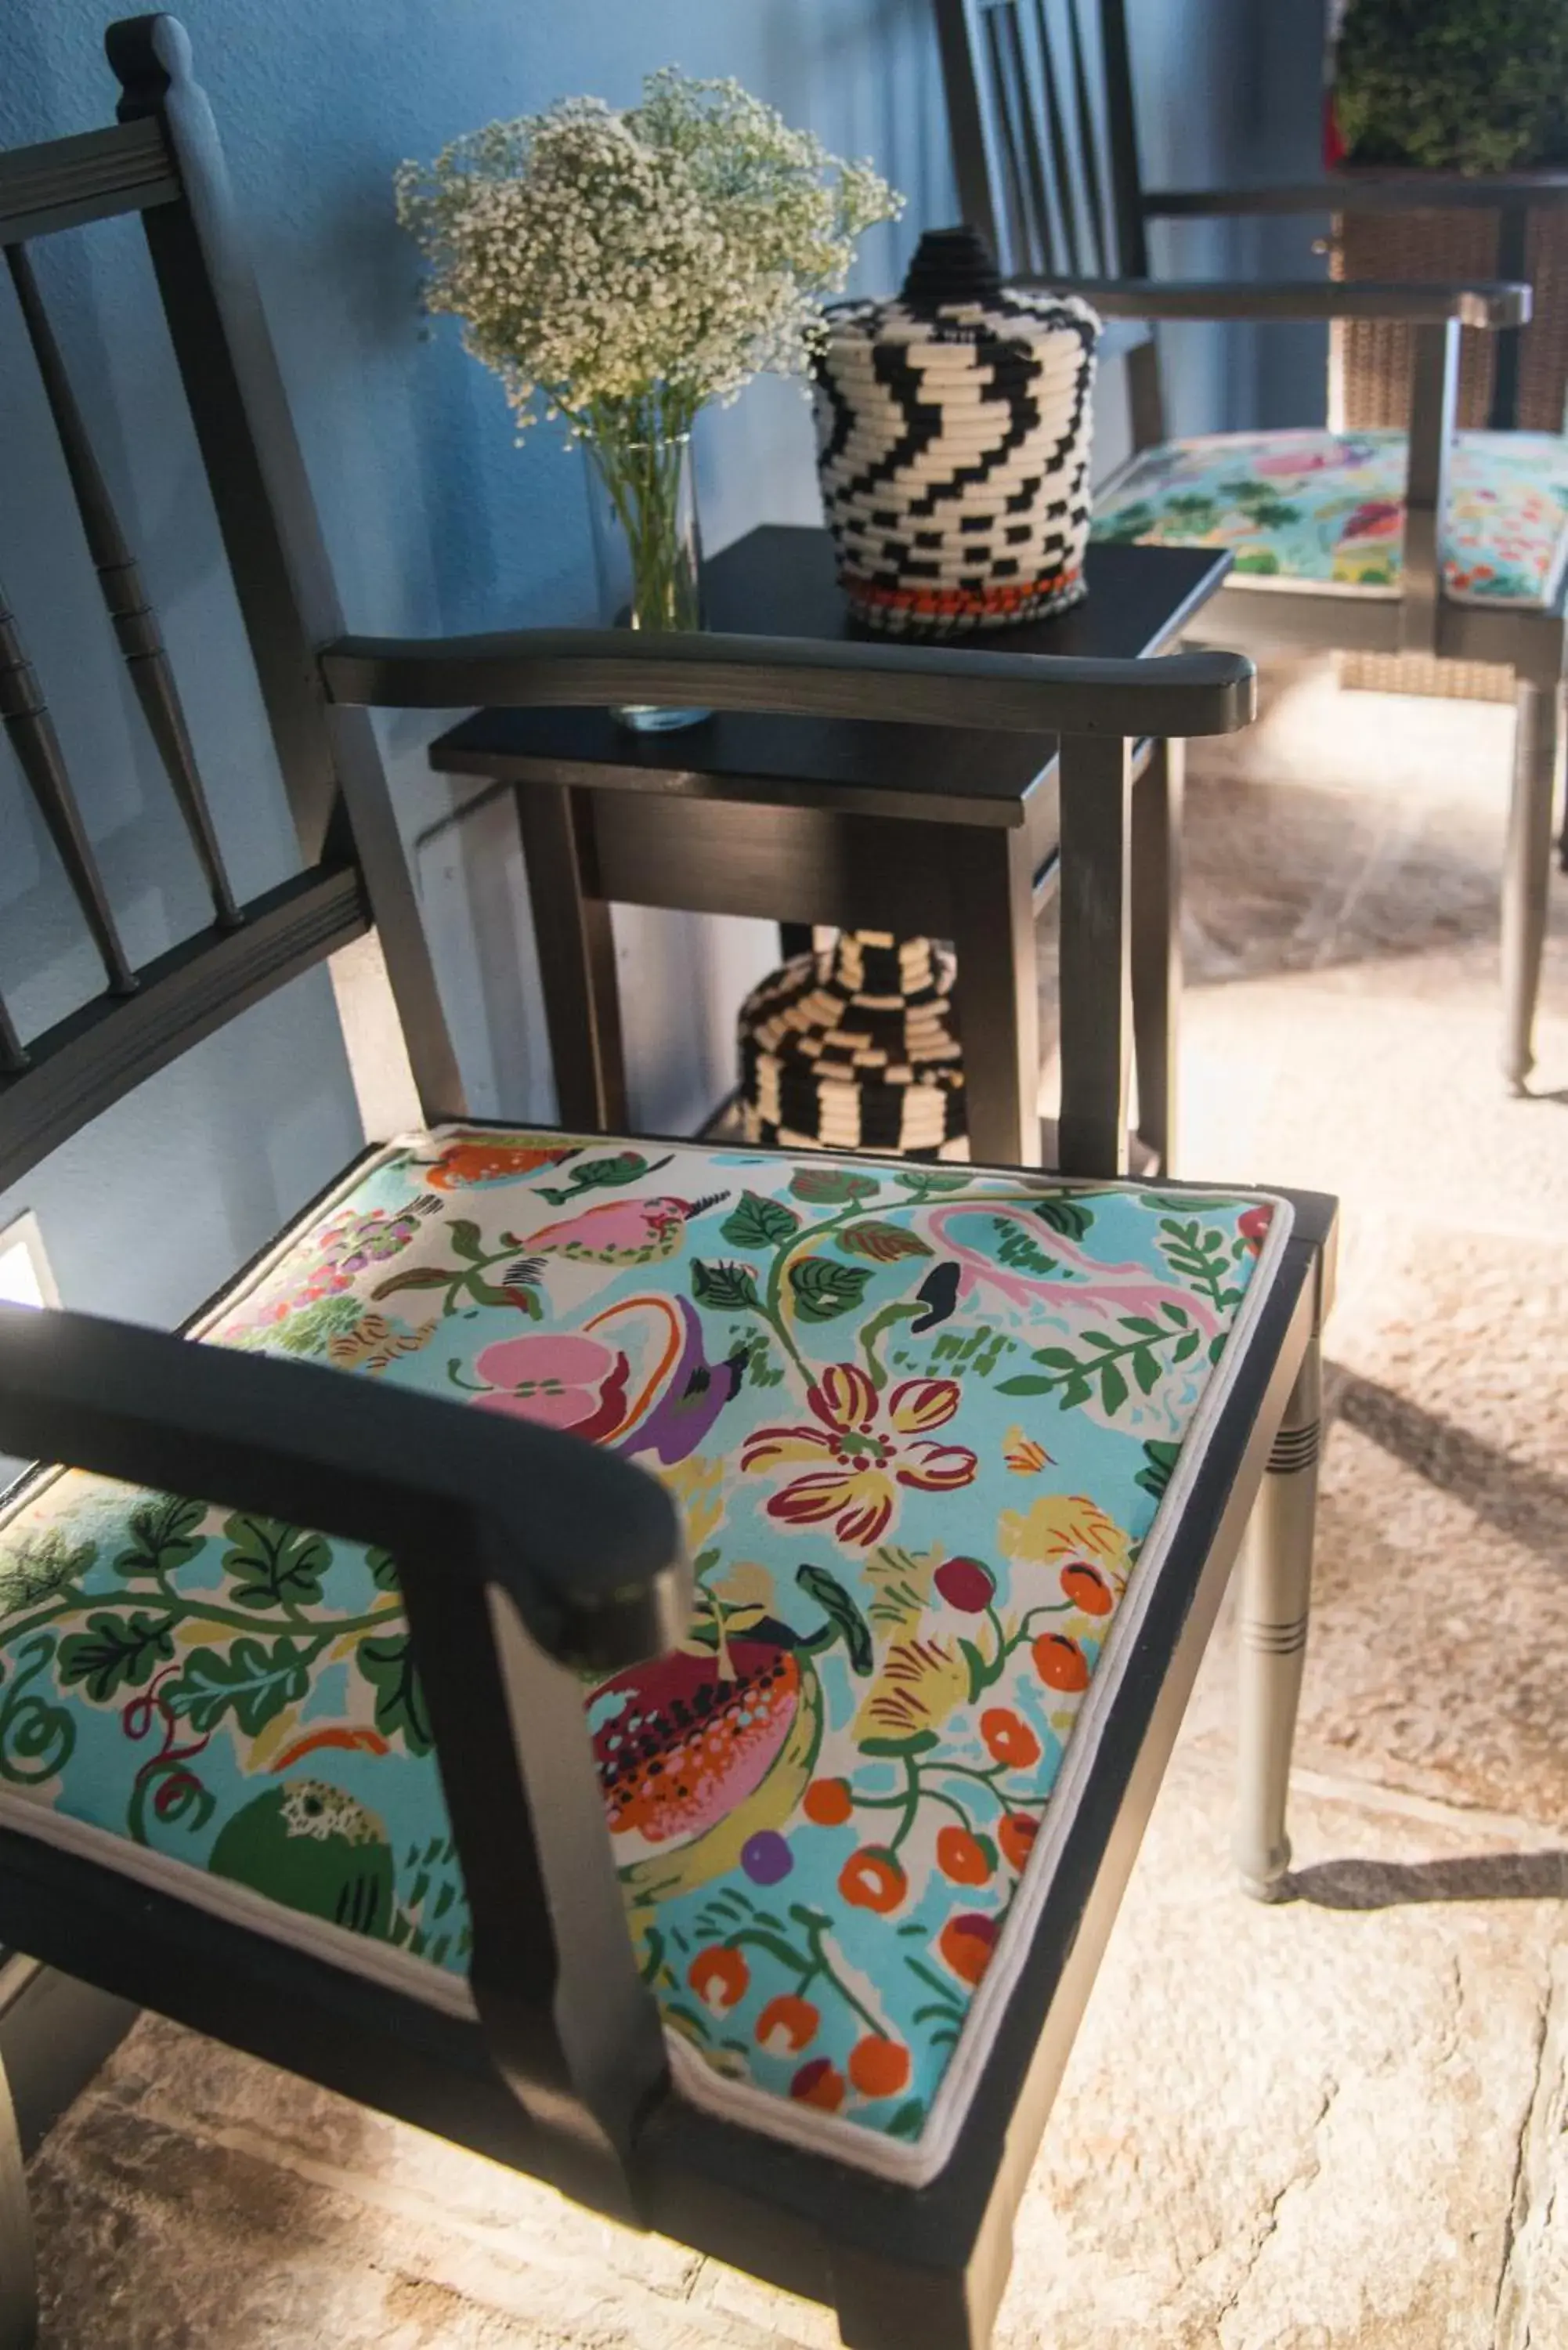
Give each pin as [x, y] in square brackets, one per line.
[1044, 139]
[526, 1556]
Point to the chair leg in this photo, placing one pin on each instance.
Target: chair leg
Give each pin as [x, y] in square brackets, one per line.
[1276, 1597]
[18, 2275]
[1526, 871]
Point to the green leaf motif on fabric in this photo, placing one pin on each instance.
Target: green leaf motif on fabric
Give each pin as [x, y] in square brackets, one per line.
[831, 1187]
[273, 1565]
[1073, 1220]
[1200, 1255]
[388, 1666]
[254, 1682]
[116, 1652]
[311, 1331]
[42, 1566]
[1016, 1250]
[163, 1537]
[599, 1174]
[884, 1243]
[1107, 1361]
[1159, 1464]
[823, 1290]
[383, 1569]
[759, 1223]
[845, 1617]
[730, 1287]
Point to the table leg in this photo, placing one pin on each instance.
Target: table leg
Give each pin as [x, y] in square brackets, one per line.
[1156, 947]
[1097, 964]
[577, 964]
[993, 895]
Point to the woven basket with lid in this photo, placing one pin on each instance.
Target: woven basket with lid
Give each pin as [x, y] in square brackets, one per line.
[953, 429]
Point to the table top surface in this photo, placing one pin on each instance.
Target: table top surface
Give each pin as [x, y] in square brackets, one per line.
[779, 581]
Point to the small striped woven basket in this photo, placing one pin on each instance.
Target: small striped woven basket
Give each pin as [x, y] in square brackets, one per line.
[856, 1050]
[953, 430]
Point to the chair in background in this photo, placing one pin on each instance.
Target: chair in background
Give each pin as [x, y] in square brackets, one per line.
[758, 1907]
[1434, 542]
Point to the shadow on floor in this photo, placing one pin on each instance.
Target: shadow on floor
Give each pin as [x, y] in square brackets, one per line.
[1530, 1505]
[1388, 1883]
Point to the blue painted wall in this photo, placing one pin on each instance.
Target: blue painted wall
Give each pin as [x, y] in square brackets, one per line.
[435, 521]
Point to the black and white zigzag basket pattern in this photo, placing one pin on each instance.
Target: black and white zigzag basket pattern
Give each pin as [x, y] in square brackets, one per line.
[856, 1050]
[953, 429]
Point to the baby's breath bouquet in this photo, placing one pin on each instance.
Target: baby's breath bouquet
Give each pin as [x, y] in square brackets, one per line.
[620, 270]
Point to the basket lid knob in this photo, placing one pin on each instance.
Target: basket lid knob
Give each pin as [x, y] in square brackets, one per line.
[950, 264]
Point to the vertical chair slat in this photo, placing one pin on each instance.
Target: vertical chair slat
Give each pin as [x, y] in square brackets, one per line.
[1036, 191]
[1061, 153]
[1099, 232]
[1005, 105]
[1126, 194]
[33, 738]
[966, 121]
[134, 621]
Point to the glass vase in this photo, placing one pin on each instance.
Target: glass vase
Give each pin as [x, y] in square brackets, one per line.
[642, 500]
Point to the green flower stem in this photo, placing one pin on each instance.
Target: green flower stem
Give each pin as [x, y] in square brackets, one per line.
[180, 1611]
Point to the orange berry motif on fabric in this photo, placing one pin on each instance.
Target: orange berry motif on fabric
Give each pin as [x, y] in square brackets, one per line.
[1060, 1662]
[819, 2084]
[967, 1859]
[873, 1879]
[1086, 1587]
[1016, 1836]
[828, 1801]
[1009, 1738]
[878, 2068]
[967, 1943]
[787, 2024]
[719, 1978]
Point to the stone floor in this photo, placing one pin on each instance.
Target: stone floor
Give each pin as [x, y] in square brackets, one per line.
[1340, 2125]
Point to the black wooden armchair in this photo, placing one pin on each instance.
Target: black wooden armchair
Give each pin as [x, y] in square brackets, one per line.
[1434, 542]
[648, 1661]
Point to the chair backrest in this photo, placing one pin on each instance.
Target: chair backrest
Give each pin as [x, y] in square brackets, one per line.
[1040, 109]
[163, 162]
[1045, 146]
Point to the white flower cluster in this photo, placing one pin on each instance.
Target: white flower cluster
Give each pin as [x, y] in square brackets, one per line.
[625, 268]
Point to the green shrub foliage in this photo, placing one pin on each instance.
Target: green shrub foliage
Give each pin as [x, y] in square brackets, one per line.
[1467, 85]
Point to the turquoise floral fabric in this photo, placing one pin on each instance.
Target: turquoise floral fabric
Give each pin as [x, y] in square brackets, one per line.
[1328, 509]
[919, 1421]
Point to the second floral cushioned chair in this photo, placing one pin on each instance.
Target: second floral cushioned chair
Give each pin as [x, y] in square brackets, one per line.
[649, 1660]
[1448, 545]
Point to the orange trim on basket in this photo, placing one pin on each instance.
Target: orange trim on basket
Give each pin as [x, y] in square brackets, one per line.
[998, 601]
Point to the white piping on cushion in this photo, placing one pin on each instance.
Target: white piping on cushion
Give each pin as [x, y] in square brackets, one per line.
[240, 1905]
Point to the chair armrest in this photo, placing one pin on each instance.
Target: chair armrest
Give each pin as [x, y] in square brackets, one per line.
[588, 1546]
[1480, 305]
[1181, 695]
[1366, 192]
[585, 1546]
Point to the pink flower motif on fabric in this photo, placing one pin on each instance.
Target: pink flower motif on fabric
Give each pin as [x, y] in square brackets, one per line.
[863, 1463]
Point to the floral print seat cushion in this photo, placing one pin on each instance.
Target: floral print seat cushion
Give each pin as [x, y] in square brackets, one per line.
[1327, 510]
[919, 1421]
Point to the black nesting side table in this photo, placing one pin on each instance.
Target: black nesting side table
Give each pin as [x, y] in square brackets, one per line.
[934, 830]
